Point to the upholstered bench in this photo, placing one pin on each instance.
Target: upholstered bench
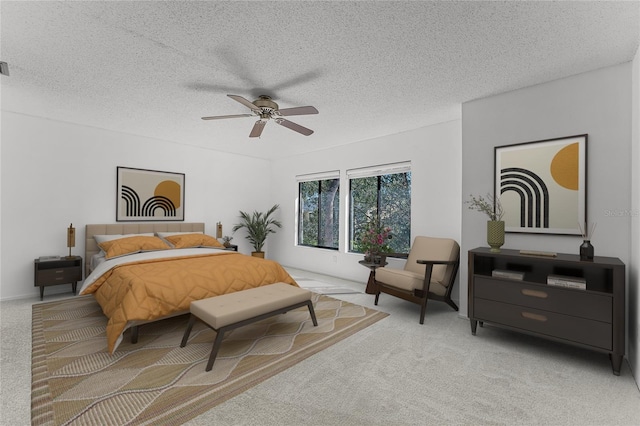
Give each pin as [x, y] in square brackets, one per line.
[233, 310]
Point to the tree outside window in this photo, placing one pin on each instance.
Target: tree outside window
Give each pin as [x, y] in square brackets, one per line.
[319, 210]
[383, 199]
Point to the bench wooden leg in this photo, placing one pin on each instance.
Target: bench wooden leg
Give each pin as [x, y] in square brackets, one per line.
[312, 312]
[215, 349]
[220, 332]
[187, 332]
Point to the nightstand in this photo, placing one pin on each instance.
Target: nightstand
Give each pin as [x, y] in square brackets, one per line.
[232, 247]
[55, 272]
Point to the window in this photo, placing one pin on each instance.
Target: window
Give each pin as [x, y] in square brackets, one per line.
[319, 210]
[382, 194]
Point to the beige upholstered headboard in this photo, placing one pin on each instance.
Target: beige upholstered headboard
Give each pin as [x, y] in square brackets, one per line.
[91, 247]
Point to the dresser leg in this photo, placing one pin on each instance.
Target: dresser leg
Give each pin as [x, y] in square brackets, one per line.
[616, 363]
[474, 325]
[41, 292]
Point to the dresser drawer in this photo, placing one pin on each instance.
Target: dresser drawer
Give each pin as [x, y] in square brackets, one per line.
[58, 275]
[579, 330]
[578, 303]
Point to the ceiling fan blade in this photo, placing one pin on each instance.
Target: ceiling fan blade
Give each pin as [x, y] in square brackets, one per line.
[221, 117]
[298, 111]
[293, 126]
[244, 102]
[257, 129]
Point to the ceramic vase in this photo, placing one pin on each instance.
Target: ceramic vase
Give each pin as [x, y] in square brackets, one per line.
[495, 235]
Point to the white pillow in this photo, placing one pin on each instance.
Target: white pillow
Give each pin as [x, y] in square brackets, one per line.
[97, 259]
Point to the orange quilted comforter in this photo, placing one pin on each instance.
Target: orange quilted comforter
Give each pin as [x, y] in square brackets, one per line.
[152, 289]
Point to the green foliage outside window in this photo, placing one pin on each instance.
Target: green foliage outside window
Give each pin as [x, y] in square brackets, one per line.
[319, 210]
[387, 200]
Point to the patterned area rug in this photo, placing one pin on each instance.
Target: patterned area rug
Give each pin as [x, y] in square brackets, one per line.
[76, 381]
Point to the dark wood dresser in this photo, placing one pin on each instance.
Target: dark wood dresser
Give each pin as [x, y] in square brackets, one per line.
[593, 318]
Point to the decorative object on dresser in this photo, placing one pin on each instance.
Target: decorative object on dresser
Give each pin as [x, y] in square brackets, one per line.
[495, 225]
[56, 270]
[510, 275]
[538, 253]
[149, 195]
[71, 239]
[543, 185]
[567, 281]
[541, 305]
[226, 241]
[259, 225]
[586, 249]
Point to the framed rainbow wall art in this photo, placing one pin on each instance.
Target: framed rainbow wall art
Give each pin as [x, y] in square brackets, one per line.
[149, 195]
[542, 185]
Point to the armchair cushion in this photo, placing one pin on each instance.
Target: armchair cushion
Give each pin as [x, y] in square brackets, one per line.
[408, 280]
[431, 248]
[439, 256]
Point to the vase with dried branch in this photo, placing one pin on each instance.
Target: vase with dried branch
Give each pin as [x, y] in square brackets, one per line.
[495, 225]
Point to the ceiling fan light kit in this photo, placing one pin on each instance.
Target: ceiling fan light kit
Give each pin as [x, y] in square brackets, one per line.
[265, 108]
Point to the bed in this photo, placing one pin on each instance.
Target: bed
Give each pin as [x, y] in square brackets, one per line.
[159, 281]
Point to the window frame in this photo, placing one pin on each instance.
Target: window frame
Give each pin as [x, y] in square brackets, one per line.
[319, 178]
[367, 172]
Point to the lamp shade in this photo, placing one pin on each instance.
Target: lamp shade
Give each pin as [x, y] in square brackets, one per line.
[71, 236]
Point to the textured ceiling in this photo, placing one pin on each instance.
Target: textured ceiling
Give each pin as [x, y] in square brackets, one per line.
[371, 68]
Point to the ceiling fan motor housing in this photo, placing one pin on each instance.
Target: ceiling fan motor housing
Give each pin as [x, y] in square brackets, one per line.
[265, 102]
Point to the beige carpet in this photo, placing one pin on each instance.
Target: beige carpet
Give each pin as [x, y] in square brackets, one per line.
[321, 287]
[76, 381]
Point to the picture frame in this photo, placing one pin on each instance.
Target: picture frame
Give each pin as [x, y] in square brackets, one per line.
[149, 195]
[542, 185]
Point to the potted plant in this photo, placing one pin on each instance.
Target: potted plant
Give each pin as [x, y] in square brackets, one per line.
[374, 241]
[226, 241]
[259, 225]
[495, 225]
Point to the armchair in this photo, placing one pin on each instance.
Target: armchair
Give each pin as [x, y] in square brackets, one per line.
[430, 271]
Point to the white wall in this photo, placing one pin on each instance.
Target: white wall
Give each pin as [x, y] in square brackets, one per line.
[435, 155]
[56, 173]
[634, 264]
[597, 103]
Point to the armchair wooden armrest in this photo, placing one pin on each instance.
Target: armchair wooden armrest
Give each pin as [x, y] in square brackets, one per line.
[398, 255]
[437, 262]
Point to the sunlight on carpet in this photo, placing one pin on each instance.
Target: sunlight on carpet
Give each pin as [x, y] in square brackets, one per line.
[322, 287]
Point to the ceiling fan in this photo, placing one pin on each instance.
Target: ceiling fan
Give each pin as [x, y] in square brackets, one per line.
[265, 108]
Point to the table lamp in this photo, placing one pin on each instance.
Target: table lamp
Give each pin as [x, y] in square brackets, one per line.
[71, 238]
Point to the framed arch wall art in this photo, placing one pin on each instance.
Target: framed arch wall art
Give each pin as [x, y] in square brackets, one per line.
[542, 185]
[149, 195]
